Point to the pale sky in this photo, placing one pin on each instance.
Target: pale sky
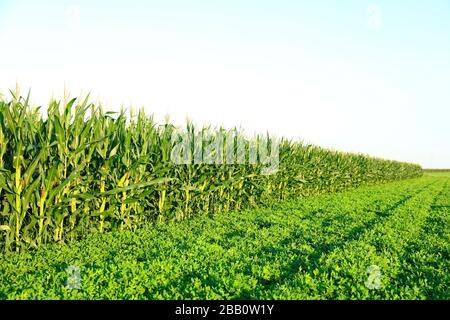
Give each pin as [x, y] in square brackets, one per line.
[362, 76]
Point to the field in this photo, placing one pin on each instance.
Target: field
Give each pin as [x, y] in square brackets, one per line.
[98, 205]
[76, 170]
[217, 159]
[389, 241]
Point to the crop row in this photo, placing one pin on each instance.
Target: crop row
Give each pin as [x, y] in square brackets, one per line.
[78, 170]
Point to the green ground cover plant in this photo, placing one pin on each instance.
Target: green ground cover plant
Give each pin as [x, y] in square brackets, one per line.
[319, 247]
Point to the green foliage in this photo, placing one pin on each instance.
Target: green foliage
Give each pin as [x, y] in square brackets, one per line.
[80, 170]
[313, 248]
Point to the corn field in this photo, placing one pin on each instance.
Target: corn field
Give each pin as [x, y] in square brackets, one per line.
[76, 169]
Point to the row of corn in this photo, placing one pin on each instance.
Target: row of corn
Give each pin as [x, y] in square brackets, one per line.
[74, 169]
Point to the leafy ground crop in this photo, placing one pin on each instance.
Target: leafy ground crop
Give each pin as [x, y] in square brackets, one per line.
[382, 242]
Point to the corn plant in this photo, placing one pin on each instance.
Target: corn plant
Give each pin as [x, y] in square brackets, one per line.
[76, 169]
